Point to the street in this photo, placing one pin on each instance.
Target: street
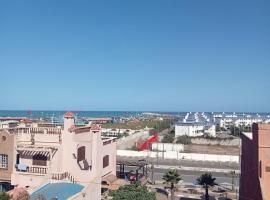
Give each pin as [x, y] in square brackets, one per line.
[188, 176]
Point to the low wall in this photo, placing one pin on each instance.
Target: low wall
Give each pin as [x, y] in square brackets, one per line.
[129, 141]
[227, 142]
[179, 156]
[167, 147]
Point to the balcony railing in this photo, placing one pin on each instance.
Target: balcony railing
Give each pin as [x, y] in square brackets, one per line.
[36, 130]
[34, 170]
[61, 176]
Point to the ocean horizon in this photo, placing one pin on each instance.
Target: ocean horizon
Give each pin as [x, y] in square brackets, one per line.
[58, 113]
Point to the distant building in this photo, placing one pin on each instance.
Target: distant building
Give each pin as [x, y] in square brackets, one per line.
[195, 129]
[8, 124]
[255, 163]
[99, 120]
[226, 121]
[43, 155]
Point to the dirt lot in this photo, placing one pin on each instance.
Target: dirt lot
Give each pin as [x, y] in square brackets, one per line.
[211, 149]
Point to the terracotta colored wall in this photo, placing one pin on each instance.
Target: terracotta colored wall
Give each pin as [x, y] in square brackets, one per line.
[255, 159]
[264, 157]
[6, 147]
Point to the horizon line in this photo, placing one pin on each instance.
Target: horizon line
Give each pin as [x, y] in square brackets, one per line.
[49, 110]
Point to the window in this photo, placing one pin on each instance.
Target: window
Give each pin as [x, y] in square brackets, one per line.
[3, 138]
[267, 168]
[39, 159]
[260, 169]
[3, 161]
[81, 153]
[106, 161]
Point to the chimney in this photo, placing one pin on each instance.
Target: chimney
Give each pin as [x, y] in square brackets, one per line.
[69, 120]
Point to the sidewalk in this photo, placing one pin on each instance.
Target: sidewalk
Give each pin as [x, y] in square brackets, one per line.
[196, 169]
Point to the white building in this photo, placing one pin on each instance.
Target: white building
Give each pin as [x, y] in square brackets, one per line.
[247, 121]
[194, 129]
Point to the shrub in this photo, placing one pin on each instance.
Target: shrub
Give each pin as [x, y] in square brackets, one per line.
[4, 196]
[184, 139]
[132, 192]
[168, 138]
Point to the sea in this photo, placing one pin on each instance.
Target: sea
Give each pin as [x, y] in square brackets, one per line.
[95, 114]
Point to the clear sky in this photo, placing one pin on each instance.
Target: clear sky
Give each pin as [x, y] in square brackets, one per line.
[190, 55]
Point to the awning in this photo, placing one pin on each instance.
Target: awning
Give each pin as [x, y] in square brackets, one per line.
[34, 150]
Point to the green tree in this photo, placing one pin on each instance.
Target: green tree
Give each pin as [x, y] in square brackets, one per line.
[134, 147]
[218, 128]
[168, 138]
[183, 139]
[132, 192]
[206, 180]
[4, 196]
[171, 177]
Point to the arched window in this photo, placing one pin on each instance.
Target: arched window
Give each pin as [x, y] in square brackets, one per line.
[39, 159]
[106, 161]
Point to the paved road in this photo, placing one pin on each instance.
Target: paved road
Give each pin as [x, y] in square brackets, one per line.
[189, 176]
[186, 163]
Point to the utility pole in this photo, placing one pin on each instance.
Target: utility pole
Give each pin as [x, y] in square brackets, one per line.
[233, 176]
[152, 173]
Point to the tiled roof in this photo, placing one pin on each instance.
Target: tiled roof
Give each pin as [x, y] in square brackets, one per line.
[69, 114]
[95, 127]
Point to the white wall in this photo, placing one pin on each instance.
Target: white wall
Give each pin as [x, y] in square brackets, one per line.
[189, 130]
[211, 131]
[109, 149]
[167, 147]
[179, 156]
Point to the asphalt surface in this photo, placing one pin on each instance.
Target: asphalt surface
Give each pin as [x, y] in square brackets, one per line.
[189, 176]
[186, 163]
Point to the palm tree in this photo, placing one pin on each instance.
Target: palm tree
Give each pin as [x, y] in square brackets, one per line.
[206, 180]
[171, 177]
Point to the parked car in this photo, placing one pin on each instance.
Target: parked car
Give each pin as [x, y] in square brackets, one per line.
[162, 191]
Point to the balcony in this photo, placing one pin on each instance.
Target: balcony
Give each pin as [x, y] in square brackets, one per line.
[36, 130]
[31, 169]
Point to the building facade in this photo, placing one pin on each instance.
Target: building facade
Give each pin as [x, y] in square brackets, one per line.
[40, 155]
[195, 129]
[6, 156]
[255, 163]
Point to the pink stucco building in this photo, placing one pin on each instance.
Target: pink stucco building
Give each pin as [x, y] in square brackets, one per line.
[40, 155]
[255, 164]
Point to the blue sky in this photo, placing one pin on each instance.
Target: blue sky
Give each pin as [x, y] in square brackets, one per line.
[135, 55]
